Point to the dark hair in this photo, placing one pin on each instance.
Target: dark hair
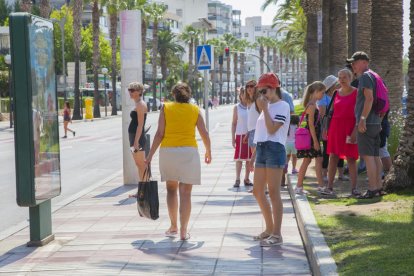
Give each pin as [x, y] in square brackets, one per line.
[294, 119]
[181, 92]
[279, 92]
[67, 104]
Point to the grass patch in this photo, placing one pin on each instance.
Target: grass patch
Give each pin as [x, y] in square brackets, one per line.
[377, 244]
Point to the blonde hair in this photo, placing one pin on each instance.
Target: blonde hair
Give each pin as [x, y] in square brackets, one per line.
[255, 93]
[311, 89]
[346, 71]
[242, 91]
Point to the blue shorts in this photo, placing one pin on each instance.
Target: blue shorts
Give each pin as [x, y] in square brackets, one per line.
[251, 138]
[270, 155]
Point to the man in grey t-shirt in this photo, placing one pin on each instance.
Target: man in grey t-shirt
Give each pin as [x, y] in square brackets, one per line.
[369, 123]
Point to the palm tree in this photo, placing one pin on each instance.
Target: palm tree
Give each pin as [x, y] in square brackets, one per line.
[188, 36]
[235, 68]
[229, 39]
[261, 41]
[387, 46]
[96, 58]
[218, 54]
[243, 44]
[77, 15]
[167, 46]
[337, 38]
[402, 172]
[26, 6]
[44, 8]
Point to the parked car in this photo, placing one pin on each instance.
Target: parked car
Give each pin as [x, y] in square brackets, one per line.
[149, 100]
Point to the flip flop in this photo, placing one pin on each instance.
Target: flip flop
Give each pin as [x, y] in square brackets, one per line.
[187, 237]
[171, 233]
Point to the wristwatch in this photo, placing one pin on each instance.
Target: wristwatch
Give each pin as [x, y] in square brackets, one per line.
[363, 118]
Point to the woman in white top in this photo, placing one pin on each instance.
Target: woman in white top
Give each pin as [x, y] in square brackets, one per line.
[239, 140]
[270, 137]
[253, 113]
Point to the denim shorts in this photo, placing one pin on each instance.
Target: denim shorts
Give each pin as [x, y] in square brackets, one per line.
[251, 138]
[270, 155]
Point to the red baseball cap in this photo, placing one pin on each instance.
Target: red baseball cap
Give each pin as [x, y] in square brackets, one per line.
[268, 80]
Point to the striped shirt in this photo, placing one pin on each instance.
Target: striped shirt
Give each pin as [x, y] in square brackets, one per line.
[279, 112]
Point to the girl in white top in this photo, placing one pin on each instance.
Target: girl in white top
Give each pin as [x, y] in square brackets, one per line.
[239, 139]
[270, 136]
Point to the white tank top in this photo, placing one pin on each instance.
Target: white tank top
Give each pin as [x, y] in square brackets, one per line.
[252, 116]
[241, 127]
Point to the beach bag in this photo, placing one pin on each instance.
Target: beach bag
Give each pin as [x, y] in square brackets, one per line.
[303, 138]
[326, 119]
[381, 102]
[147, 197]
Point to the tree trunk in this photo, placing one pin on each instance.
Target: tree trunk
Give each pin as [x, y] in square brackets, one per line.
[154, 64]
[95, 58]
[228, 73]
[221, 83]
[26, 6]
[242, 68]
[113, 34]
[77, 13]
[274, 60]
[214, 75]
[267, 57]
[261, 53]
[235, 62]
[312, 51]
[402, 172]
[326, 40]
[293, 74]
[144, 46]
[364, 26]
[44, 8]
[337, 39]
[387, 47]
[281, 66]
[190, 61]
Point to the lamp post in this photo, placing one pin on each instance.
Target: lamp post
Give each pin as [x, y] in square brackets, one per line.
[354, 21]
[61, 23]
[7, 60]
[104, 72]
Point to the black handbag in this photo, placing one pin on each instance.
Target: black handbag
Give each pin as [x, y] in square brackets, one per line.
[147, 197]
[326, 120]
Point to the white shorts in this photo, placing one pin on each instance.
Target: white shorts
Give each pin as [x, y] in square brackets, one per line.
[290, 148]
[383, 152]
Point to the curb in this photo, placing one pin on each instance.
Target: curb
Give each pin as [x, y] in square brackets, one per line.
[318, 252]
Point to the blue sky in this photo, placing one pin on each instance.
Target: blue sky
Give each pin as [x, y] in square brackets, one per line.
[252, 8]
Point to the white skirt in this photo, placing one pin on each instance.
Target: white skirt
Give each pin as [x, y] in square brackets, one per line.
[180, 164]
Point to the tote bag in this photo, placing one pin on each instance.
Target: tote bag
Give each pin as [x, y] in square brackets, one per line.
[147, 197]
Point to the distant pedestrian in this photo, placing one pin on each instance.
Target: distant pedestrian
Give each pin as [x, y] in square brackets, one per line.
[67, 118]
[270, 137]
[313, 93]
[179, 158]
[239, 137]
[136, 128]
[288, 99]
[342, 132]
[369, 124]
[290, 143]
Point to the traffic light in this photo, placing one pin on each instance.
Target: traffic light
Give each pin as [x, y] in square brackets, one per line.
[220, 59]
[227, 50]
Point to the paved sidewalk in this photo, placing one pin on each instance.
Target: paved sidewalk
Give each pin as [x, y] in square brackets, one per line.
[102, 234]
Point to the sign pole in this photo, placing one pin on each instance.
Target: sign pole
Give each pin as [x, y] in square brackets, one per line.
[41, 224]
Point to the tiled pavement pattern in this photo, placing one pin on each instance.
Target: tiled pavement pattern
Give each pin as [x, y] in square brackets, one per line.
[102, 234]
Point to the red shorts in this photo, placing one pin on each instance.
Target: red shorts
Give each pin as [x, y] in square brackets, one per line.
[242, 151]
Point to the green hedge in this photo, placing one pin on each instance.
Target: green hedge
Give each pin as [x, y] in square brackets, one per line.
[4, 105]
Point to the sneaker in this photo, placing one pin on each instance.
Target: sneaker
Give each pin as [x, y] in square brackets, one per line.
[299, 190]
[247, 182]
[65, 136]
[343, 178]
[355, 192]
[295, 171]
[329, 192]
[272, 240]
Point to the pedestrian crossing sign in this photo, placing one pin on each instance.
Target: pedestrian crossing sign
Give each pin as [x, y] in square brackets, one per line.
[204, 57]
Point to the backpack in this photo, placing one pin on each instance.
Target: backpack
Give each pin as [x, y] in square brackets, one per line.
[303, 138]
[381, 102]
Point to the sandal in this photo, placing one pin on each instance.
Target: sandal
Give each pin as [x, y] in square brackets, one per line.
[261, 236]
[368, 194]
[171, 233]
[187, 237]
[248, 182]
[380, 192]
[355, 192]
[272, 240]
[236, 184]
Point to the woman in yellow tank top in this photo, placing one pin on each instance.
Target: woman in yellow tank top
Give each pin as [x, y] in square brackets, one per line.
[179, 158]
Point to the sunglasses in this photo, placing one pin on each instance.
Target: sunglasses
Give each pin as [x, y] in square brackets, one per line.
[263, 91]
[250, 86]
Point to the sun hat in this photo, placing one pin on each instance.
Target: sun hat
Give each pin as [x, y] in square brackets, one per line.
[330, 81]
[268, 80]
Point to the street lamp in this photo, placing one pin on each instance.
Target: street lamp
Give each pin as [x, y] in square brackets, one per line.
[159, 77]
[62, 32]
[7, 60]
[104, 72]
